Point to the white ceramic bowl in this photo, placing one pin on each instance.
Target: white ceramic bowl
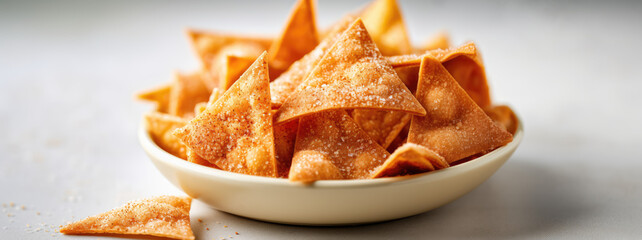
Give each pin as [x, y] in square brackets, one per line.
[328, 202]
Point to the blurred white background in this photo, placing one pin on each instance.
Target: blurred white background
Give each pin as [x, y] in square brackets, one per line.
[69, 70]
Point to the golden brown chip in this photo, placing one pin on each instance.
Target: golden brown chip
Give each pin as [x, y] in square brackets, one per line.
[164, 216]
[504, 116]
[409, 76]
[454, 127]
[382, 126]
[353, 74]
[195, 158]
[297, 39]
[235, 66]
[213, 49]
[236, 132]
[283, 86]
[158, 95]
[187, 91]
[410, 159]
[330, 145]
[441, 40]
[160, 127]
[464, 63]
[384, 22]
[400, 140]
[284, 139]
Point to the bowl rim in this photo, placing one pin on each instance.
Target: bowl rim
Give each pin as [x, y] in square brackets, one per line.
[161, 155]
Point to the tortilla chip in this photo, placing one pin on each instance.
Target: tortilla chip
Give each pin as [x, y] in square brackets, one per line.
[236, 132]
[410, 159]
[158, 95]
[330, 145]
[504, 116]
[235, 66]
[464, 63]
[213, 49]
[409, 76]
[384, 22]
[164, 216]
[283, 86]
[353, 74]
[160, 127]
[187, 91]
[382, 126]
[297, 39]
[441, 40]
[195, 158]
[284, 140]
[454, 127]
[400, 140]
[200, 107]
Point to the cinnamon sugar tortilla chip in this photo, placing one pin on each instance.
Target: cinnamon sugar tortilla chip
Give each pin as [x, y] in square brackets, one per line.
[164, 216]
[353, 74]
[195, 158]
[504, 116]
[330, 145]
[382, 126]
[464, 63]
[160, 127]
[384, 22]
[400, 140]
[454, 127]
[212, 49]
[201, 106]
[187, 91]
[235, 66]
[283, 86]
[297, 39]
[410, 159]
[284, 140]
[158, 95]
[236, 132]
[409, 76]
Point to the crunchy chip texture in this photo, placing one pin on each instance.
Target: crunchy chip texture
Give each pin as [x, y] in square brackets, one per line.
[410, 159]
[213, 48]
[504, 116]
[353, 74]
[283, 86]
[187, 91]
[236, 132]
[382, 126]
[164, 216]
[330, 145]
[297, 39]
[385, 24]
[158, 95]
[284, 140]
[454, 127]
[160, 127]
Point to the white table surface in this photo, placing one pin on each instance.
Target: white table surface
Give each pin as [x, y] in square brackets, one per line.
[69, 70]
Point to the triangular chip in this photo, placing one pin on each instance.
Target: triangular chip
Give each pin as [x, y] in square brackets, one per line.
[410, 159]
[464, 63]
[158, 95]
[382, 126]
[330, 145]
[283, 86]
[297, 39]
[441, 40]
[195, 158]
[164, 216]
[504, 116]
[187, 91]
[384, 22]
[236, 132]
[284, 140]
[454, 127]
[234, 67]
[353, 74]
[400, 140]
[160, 127]
[213, 48]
